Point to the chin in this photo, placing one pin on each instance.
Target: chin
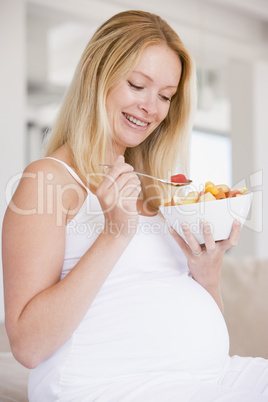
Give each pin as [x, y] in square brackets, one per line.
[132, 143]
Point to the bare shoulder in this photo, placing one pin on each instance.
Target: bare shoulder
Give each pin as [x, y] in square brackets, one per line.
[46, 187]
[46, 168]
[34, 182]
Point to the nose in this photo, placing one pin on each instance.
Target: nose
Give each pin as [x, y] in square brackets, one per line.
[148, 105]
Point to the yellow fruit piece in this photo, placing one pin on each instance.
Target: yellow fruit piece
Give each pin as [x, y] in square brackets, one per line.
[206, 197]
[211, 188]
[176, 200]
[224, 187]
[190, 198]
[180, 200]
[193, 195]
[243, 190]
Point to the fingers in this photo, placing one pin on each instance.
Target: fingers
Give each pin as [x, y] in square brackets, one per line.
[121, 187]
[234, 236]
[190, 248]
[208, 236]
[131, 188]
[126, 183]
[194, 246]
[209, 243]
[183, 245]
[119, 168]
[210, 246]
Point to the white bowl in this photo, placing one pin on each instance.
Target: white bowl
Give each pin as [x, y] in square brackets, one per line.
[219, 213]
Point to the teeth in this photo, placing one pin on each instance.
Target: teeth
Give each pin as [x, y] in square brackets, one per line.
[135, 121]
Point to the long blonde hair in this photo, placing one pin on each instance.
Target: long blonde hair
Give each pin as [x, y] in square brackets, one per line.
[82, 123]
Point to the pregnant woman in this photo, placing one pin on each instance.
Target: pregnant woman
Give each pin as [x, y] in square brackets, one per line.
[103, 302]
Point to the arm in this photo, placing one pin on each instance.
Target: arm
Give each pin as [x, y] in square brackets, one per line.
[41, 311]
[205, 268]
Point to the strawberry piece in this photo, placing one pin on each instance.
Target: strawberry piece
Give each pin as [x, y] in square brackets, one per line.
[178, 178]
[233, 193]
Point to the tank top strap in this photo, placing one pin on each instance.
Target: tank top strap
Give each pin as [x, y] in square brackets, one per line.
[71, 171]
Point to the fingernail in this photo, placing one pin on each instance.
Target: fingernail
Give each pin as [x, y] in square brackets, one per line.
[185, 226]
[121, 158]
[168, 224]
[237, 222]
[206, 227]
[170, 228]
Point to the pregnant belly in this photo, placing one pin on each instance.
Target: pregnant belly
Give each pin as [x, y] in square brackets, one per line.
[151, 326]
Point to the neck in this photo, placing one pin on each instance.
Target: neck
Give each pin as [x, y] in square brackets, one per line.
[115, 151]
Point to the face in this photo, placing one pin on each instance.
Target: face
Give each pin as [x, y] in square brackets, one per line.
[140, 102]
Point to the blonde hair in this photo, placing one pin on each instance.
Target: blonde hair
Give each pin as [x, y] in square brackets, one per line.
[82, 123]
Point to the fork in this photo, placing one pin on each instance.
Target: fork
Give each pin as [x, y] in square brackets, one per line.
[155, 178]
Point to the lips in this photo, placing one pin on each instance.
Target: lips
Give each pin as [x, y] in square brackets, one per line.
[133, 120]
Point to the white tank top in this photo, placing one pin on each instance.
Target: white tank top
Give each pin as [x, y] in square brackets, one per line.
[149, 317]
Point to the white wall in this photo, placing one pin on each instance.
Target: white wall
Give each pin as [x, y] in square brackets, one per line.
[12, 98]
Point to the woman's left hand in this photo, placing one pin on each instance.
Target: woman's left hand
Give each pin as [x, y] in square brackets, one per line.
[204, 262]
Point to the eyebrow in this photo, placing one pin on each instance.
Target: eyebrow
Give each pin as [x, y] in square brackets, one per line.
[150, 79]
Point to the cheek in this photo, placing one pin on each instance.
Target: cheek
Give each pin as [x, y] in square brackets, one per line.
[116, 102]
[113, 99]
[109, 106]
[164, 112]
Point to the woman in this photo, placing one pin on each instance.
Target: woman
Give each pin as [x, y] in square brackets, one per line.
[100, 301]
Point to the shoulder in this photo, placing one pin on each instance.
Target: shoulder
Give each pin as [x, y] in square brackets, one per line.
[38, 183]
[48, 168]
[46, 171]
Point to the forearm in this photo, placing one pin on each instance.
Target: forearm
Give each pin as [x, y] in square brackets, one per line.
[50, 317]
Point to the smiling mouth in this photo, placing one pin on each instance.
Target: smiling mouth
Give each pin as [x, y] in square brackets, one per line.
[135, 121]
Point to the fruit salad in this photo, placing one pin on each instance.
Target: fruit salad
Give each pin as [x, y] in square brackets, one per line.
[211, 192]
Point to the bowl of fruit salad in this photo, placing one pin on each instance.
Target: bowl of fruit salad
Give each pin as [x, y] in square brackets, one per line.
[215, 204]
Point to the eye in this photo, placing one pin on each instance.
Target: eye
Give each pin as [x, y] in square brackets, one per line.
[165, 98]
[134, 86]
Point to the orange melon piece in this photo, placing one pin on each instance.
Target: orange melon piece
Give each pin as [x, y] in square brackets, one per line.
[211, 188]
[224, 187]
[221, 194]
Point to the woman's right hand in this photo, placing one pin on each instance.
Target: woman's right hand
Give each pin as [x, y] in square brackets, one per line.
[118, 194]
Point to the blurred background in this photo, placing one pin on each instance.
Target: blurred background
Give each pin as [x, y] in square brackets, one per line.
[41, 42]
